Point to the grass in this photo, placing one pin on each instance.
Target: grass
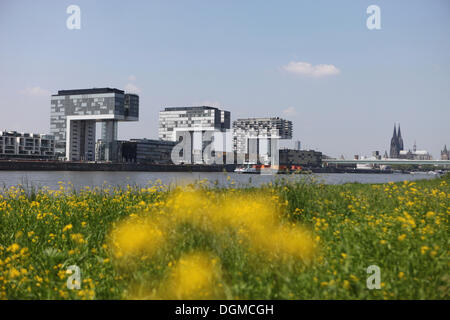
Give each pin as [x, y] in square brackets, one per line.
[285, 240]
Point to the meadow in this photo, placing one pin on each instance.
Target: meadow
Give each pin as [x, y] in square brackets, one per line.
[284, 240]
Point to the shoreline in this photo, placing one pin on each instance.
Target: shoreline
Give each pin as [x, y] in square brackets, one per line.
[85, 166]
[139, 167]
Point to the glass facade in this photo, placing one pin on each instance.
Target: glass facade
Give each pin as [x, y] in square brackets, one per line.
[191, 119]
[74, 113]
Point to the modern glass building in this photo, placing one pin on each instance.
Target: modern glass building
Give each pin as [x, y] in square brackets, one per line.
[260, 129]
[74, 114]
[195, 121]
[144, 151]
[191, 119]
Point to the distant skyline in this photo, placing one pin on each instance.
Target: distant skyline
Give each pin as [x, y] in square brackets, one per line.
[313, 62]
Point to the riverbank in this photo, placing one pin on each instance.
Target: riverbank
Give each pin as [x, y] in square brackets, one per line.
[99, 166]
[106, 179]
[41, 165]
[25, 165]
[280, 241]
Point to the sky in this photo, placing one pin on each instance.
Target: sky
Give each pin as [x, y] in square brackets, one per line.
[313, 62]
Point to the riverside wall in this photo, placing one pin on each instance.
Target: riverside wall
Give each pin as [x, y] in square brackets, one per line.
[86, 166]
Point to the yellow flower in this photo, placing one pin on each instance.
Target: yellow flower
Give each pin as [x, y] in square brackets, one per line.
[136, 237]
[401, 237]
[13, 248]
[401, 275]
[78, 238]
[354, 278]
[68, 227]
[346, 284]
[13, 273]
[61, 274]
[424, 249]
[194, 276]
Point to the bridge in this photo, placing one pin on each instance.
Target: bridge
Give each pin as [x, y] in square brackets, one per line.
[387, 161]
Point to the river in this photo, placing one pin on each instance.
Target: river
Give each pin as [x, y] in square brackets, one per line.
[52, 179]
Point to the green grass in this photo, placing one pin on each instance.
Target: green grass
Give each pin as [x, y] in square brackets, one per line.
[402, 228]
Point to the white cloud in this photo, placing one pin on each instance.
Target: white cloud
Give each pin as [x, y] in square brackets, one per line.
[132, 78]
[305, 68]
[36, 92]
[290, 111]
[131, 88]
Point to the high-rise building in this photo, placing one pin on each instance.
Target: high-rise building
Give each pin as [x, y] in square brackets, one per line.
[194, 121]
[19, 145]
[261, 131]
[202, 118]
[74, 114]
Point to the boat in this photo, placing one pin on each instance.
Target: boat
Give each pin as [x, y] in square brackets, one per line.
[268, 169]
[247, 169]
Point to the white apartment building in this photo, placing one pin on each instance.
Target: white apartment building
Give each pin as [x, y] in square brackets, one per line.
[261, 131]
[19, 145]
[202, 118]
[194, 120]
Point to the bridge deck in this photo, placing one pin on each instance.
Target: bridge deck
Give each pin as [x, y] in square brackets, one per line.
[387, 161]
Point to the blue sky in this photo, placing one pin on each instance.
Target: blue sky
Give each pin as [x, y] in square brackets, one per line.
[254, 58]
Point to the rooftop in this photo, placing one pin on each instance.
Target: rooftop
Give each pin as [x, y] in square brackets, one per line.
[190, 108]
[261, 119]
[88, 91]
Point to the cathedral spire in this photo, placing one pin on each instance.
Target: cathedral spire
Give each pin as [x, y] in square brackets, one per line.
[395, 148]
[399, 138]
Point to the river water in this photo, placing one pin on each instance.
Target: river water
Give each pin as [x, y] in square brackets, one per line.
[51, 179]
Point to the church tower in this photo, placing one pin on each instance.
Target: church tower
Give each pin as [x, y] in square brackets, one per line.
[395, 150]
[400, 139]
[445, 154]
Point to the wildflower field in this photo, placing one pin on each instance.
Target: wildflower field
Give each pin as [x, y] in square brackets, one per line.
[284, 240]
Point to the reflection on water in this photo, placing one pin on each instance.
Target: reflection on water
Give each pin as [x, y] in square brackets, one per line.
[79, 179]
